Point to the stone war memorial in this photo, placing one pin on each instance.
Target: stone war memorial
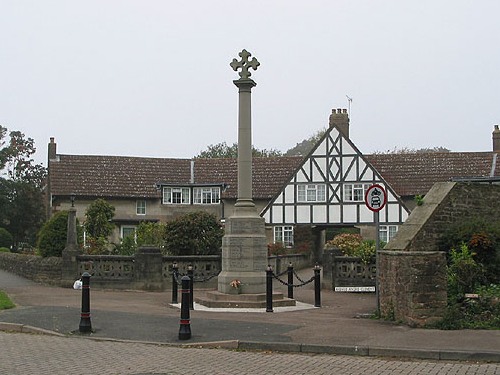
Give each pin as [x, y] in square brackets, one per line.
[242, 280]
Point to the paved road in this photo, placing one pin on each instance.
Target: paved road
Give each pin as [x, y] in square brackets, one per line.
[40, 354]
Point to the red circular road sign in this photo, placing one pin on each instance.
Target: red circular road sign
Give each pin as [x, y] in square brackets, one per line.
[375, 197]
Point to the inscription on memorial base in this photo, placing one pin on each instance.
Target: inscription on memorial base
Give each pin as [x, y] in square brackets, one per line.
[244, 255]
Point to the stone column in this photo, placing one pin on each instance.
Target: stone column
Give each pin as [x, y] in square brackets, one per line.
[244, 245]
[70, 252]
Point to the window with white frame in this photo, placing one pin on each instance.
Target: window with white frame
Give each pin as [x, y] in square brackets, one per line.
[127, 231]
[386, 232]
[311, 193]
[284, 234]
[140, 207]
[206, 195]
[355, 192]
[176, 195]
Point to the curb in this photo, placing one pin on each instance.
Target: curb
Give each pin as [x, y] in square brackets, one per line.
[23, 328]
[430, 354]
[450, 355]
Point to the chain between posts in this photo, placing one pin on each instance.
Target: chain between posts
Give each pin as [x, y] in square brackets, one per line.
[302, 282]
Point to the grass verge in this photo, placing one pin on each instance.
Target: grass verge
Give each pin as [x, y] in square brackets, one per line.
[5, 302]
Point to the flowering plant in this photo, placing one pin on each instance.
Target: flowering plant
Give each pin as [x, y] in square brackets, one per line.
[235, 283]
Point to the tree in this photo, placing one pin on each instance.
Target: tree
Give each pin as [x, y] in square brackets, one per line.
[407, 150]
[52, 237]
[223, 150]
[303, 148]
[196, 233]
[98, 219]
[21, 199]
[5, 238]
[98, 225]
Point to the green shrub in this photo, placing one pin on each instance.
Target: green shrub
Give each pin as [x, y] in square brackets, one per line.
[126, 247]
[353, 245]
[276, 248]
[52, 236]
[196, 233]
[464, 273]
[4, 250]
[346, 242]
[483, 239]
[149, 233]
[6, 239]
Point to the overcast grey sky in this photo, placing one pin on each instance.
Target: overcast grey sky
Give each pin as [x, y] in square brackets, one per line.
[152, 77]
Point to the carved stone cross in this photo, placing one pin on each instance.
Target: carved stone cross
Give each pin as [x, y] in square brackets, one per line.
[244, 64]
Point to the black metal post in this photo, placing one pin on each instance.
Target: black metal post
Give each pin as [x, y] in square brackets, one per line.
[269, 289]
[185, 322]
[85, 323]
[290, 280]
[175, 285]
[317, 286]
[190, 273]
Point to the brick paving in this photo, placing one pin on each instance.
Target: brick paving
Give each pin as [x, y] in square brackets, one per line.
[41, 354]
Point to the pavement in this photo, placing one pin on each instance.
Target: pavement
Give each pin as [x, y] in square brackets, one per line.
[342, 325]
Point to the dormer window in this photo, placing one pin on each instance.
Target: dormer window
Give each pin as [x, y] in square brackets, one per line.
[206, 195]
[176, 195]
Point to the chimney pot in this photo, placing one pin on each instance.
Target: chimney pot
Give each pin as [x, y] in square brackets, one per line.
[340, 119]
[52, 154]
[496, 139]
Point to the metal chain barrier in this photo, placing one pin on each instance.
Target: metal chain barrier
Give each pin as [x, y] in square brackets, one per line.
[285, 283]
[270, 275]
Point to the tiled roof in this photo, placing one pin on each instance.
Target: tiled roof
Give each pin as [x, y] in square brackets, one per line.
[135, 177]
[415, 173]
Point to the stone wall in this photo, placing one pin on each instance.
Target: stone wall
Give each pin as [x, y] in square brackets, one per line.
[43, 270]
[412, 272]
[146, 270]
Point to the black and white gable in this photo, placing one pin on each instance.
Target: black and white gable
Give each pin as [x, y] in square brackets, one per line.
[329, 188]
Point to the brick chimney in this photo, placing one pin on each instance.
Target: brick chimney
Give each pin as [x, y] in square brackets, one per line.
[340, 119]
[496, 139]
[52, 149]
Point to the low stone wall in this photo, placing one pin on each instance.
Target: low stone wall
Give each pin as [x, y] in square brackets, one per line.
[36, 268]
[148, 269]
[413, 286]
[280, 263]
[352, 272]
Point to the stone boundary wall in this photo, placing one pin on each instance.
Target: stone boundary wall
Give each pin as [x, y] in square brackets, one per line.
[412, 272]
[280, 263]
[148, 269]
[352, 271]
[412, 286]
[38, 269]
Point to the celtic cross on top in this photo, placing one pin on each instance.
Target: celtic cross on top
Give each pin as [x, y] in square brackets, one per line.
[244, 64]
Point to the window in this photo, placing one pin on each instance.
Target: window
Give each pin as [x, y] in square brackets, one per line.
[355, 192]
[206, 195]
[284, 235]
[140, 208]
[127, 230]
[386, 232]
[175, 195]
[311, 193]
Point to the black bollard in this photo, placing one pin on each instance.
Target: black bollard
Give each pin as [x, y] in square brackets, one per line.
[190, 273]
[175, 286]
[85, 323]
[185, 323]
[317, 286]
[290, 280]
[269, 289]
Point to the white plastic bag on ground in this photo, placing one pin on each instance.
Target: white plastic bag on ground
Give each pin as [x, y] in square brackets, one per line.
[77, 284]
